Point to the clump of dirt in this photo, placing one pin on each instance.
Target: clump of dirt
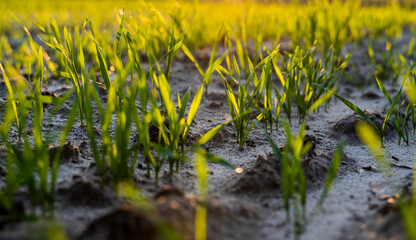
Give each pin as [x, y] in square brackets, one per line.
[384, 223]
[172, 210]
[69, 152]
[370, 95]
[82, 192]
[124, 222]
[154, 130]
[346, 126]
[178, 210]
[265, 175]
[17, 208]
[391, 226]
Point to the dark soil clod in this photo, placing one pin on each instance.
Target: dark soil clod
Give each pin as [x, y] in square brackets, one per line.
[346, 126]
[370, 96]
[69, 152]
[85, 193]
[124, 222]
[264, 176]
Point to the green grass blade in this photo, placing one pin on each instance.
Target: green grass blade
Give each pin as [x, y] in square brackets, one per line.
[188, 53]
[391, 110]
[210, 134]
[194, 108]
[119, 32]
[383, 89]
[322, 100]
[184, 103]
[11, 94]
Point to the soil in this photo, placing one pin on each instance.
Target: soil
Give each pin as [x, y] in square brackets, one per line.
[248, 205]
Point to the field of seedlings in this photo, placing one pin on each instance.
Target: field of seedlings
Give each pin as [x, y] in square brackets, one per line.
[207, 119]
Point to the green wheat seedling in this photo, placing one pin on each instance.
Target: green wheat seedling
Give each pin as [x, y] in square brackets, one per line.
[120, 101]
[294, 185]
[399, 122]
[163, 149]
[175, 134]
[121, 98]
[292, 175]
[293, 178]
[172, 133]
[305, 93]
[31, 167]
[162, 152]
[74, 65]
[269, 112]
[13, 179]
[240, 108]
[114, 154]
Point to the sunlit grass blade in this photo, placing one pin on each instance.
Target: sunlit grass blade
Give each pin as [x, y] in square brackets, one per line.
[208, 135]
[322, 100]
[201, 214]
[188, 53]
[184, 103]
[103, 65]
[383, 89]
[11, 94]
[192, 111]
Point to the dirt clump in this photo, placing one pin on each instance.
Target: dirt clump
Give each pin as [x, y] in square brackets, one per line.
[178, 208]
[69, 152]
[82, 192]
[346, 126]
[124, 222]
[265, 175]
[370, 95]
[172, 210]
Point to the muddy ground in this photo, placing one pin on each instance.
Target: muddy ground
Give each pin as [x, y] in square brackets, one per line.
[241, 206]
